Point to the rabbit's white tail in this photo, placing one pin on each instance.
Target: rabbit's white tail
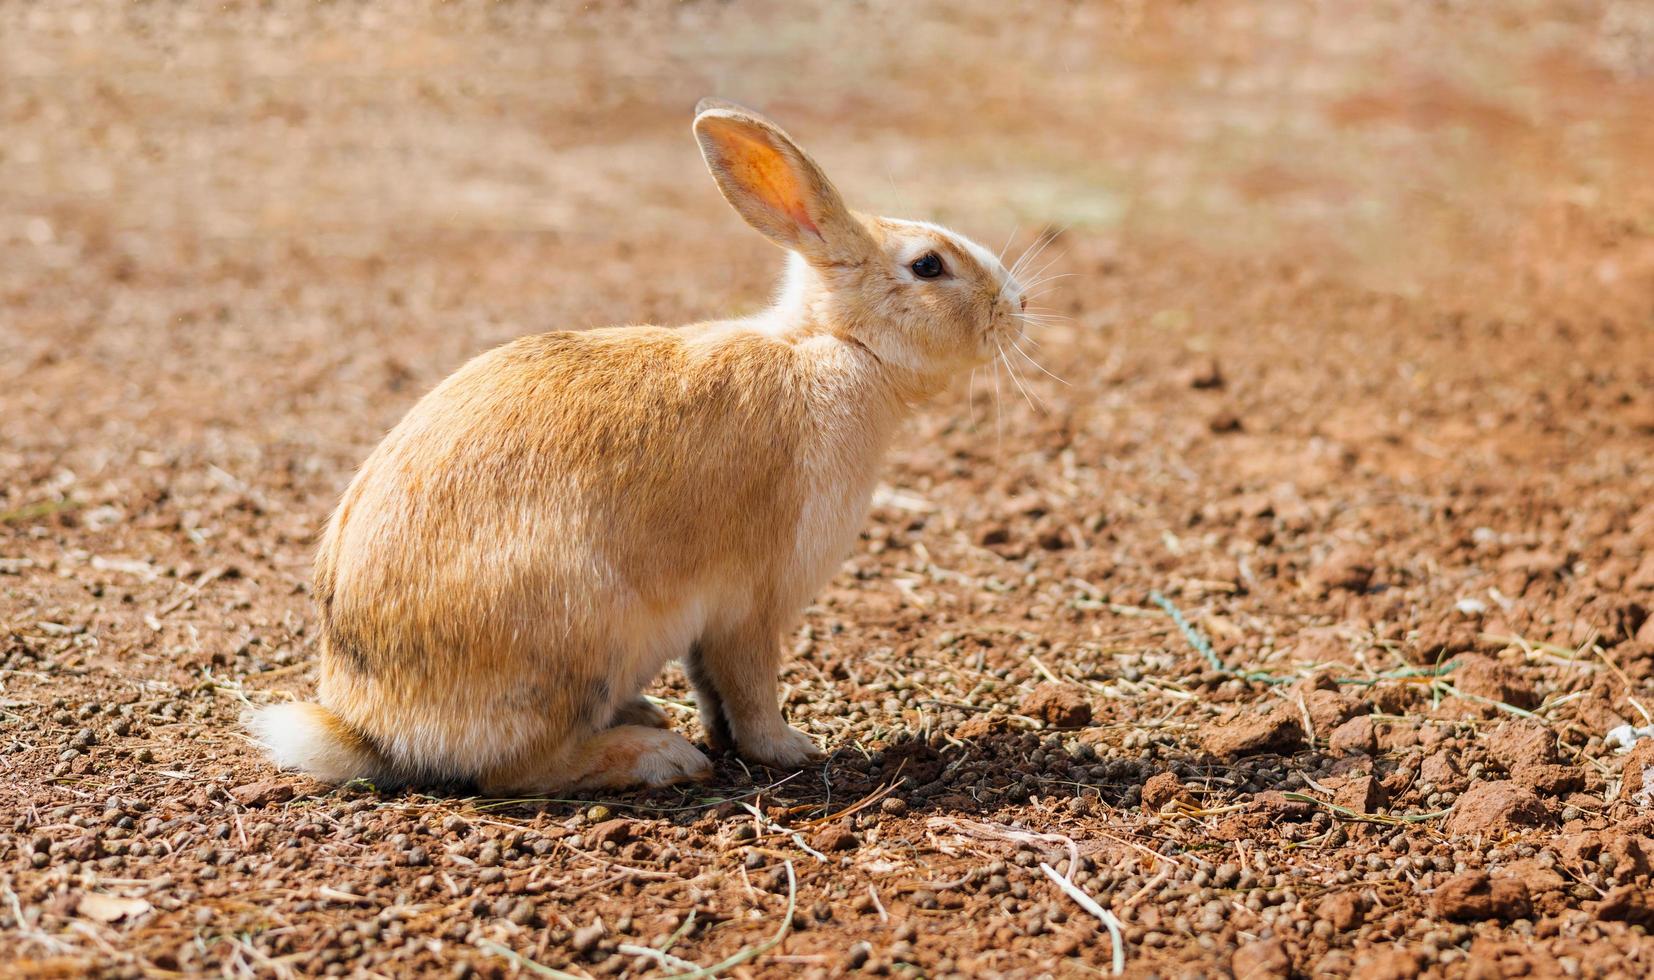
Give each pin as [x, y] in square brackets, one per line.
[308, 737]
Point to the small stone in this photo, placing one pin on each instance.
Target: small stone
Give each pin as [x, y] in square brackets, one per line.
[1342, 910]
[618, 831]
[1522, 742]
[1637, 777]
[1264, 959]
[1390, 964]
[1554, 781]
[1058, 705]
[1395, 699]
[1328, 709]
[1487, 678]
[1496, 808]
[1207, 375]
[1535, 563]
[1363, 794]
[262, 794]
[1354, 737]
[1628, 903]
[1225, 422]
[1441, 771]
[982, 726]
[1476, 897]
[1160, 789]
[835, 837]
[1249, 732]
[1439, 642]
[1348, 568]
[586, 938]
[856, 957]
[1631, 855]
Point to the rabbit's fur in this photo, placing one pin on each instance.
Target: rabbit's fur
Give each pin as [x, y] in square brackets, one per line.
[561, 516]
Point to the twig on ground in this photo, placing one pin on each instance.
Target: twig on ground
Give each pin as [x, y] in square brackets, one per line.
[1103, 915]
[1148, 889]
[755, 951]
[1448, 689]
[873, 893]
[663, 958]
[973, 828]
[206, 579]
[496, 949]
[775, 828]
[865, 802]
[1349, 814]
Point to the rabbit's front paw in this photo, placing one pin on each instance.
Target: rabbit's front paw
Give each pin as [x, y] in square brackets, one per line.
[785, 748]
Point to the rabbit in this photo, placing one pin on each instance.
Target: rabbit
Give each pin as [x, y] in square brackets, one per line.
[564, 514]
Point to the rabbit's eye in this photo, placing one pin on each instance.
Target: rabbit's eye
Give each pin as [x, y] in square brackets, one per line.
[928, 266]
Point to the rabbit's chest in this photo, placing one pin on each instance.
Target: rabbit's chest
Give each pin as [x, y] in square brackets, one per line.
[834, 510]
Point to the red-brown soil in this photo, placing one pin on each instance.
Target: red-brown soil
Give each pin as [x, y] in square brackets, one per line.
[1357, 377]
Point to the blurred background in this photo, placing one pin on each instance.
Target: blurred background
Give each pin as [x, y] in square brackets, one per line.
[462, 166]
[1355, 364]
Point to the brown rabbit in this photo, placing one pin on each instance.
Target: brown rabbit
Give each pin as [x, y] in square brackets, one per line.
[566, 513]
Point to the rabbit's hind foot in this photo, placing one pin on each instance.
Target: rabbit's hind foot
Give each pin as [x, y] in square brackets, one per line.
[614, 758]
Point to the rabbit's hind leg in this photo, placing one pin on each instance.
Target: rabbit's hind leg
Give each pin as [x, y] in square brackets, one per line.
[614, 758]
[634, 755]
[639, 711]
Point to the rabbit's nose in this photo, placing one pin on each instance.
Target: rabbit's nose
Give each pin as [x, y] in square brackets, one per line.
[1022, 302]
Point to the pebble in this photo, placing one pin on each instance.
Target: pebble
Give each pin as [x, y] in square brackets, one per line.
[586, 938]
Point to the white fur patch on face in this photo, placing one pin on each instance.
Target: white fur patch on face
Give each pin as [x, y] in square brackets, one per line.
[1009, 288]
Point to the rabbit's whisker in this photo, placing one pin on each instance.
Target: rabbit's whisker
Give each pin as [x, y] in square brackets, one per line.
[970, 398]
[1029, 358]
[1000, 258]
[1012, 371]
[1033, 252]
[1040, 277]
[999, 415]
[1048, 279]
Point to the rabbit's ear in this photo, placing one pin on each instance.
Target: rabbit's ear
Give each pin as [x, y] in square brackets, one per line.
[775, 185]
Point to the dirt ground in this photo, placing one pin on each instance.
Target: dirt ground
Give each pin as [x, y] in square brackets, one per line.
[1283, 613]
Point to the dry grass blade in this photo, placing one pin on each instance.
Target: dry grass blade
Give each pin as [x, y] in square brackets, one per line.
[988, 831]
[1107, 918]
[1349, 814]
[538, 969]
[758, 950]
